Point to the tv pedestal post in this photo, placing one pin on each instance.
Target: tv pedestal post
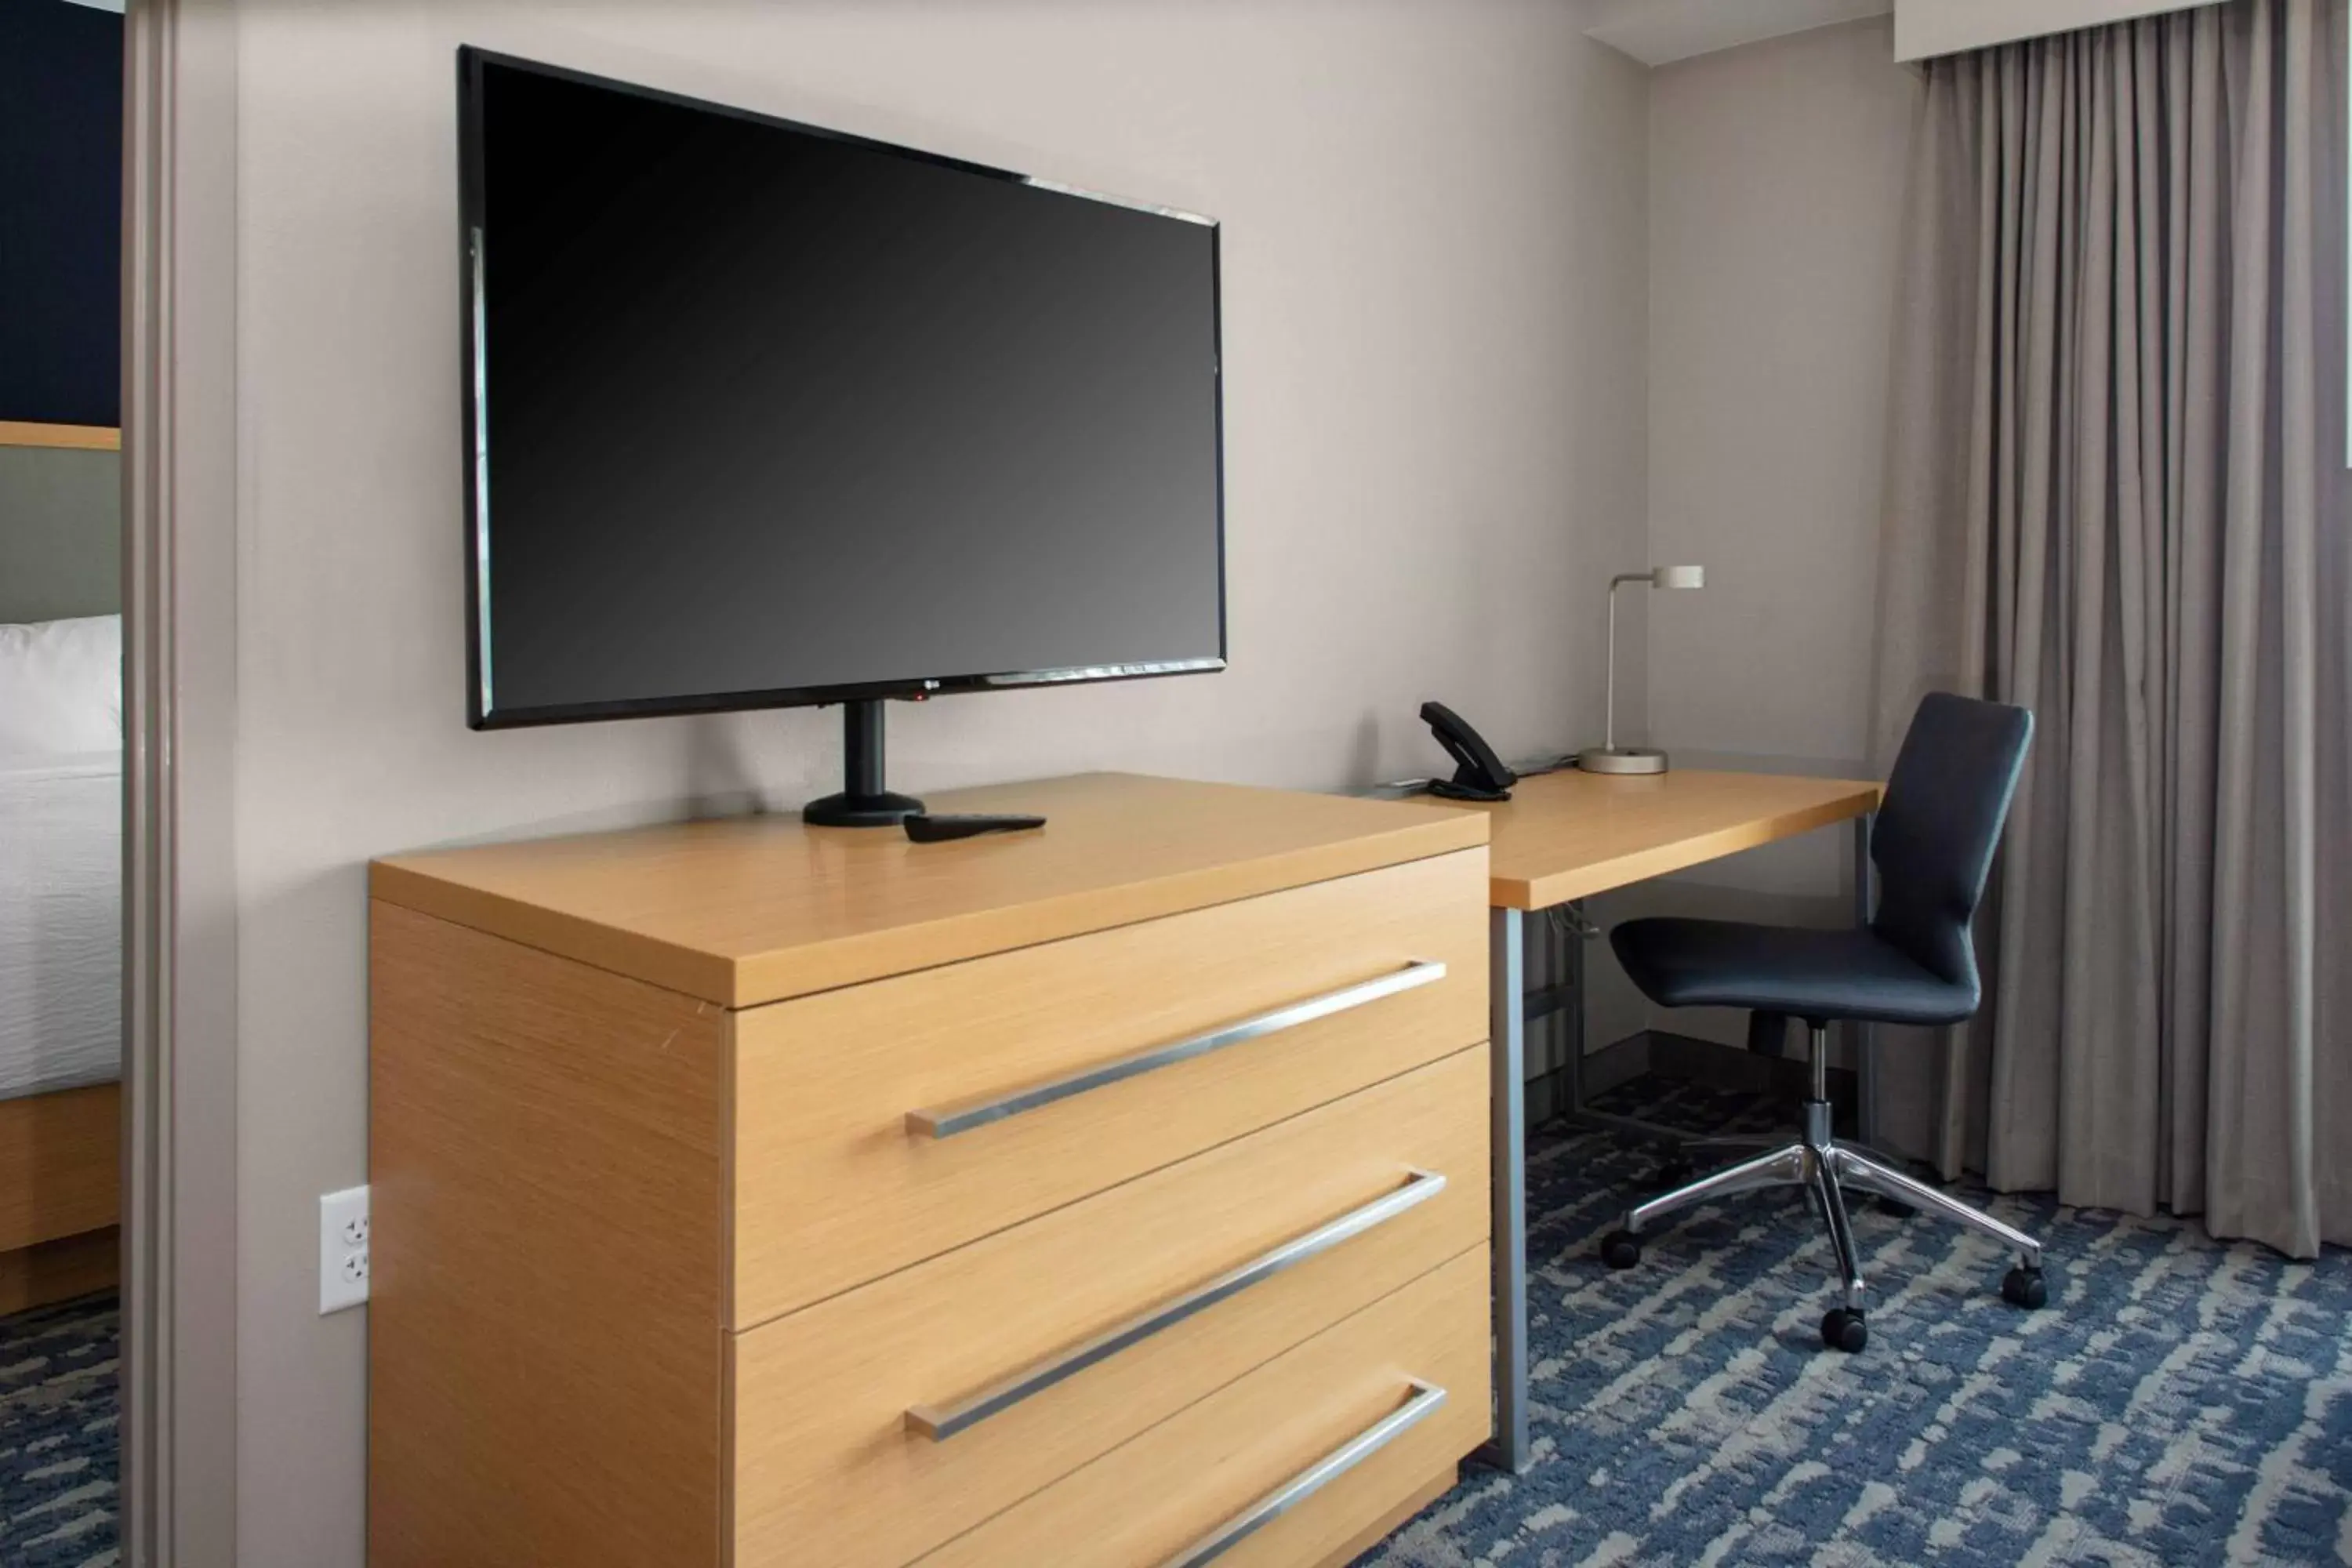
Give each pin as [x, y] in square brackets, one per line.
[862, 801]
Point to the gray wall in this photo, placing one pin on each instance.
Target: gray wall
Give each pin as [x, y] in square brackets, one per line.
[1777, 174]
[1435, 262]
[61, 533]
[1776, 199]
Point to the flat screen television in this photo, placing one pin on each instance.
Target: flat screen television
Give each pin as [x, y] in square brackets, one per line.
[759, 415]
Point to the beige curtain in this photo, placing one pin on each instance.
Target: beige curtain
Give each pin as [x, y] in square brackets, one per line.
[2116, 472]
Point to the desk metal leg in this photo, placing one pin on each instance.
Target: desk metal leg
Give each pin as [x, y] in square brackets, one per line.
[1861, 1036]
[1571, 963]
[1506, 981]
[1578, 1111]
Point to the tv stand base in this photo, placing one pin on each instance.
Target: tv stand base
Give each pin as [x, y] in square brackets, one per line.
[862, 802]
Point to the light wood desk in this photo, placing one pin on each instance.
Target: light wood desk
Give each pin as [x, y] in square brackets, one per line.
[1559, 838]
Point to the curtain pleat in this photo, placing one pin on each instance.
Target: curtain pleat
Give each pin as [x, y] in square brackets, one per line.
[2116, 494]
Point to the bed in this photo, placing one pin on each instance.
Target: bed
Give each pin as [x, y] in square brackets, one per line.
[60, 957]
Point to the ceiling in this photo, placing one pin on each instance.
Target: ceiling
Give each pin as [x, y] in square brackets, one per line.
[1658, 32]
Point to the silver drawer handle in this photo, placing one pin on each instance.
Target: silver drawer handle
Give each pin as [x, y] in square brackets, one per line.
[946, 1122]
[940, 1423]
[1426, 1398]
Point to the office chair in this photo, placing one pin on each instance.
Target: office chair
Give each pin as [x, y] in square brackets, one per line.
[1913, 964]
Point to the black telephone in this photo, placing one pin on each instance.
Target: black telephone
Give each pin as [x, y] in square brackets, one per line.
[1478, 774]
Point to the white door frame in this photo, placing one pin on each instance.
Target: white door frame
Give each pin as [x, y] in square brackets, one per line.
[179, 1067]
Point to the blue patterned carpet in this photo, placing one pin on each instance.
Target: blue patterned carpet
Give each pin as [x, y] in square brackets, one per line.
[58, 1438]
[2179, 1402]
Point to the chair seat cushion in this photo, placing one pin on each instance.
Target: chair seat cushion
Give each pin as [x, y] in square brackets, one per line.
[1813, 974]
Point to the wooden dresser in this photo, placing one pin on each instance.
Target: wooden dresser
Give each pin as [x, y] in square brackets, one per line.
[751, 1193]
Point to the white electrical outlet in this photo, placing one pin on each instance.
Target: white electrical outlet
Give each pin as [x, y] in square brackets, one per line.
[342, 1249]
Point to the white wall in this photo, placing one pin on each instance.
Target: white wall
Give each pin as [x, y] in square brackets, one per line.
[1924, 27]
[1777, 174]
[1435, 252]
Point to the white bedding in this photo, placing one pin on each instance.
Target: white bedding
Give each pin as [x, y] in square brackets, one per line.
[60, 921]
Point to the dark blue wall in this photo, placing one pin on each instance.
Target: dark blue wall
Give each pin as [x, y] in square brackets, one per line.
[61, 213]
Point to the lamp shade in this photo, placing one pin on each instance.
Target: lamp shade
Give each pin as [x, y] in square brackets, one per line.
[1679, 577]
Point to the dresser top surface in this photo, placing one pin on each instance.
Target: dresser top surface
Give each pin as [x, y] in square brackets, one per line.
[745, 910]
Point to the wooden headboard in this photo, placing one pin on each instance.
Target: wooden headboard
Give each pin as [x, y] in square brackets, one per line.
[60, 522]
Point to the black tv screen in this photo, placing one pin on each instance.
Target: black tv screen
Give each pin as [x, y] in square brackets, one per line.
[759, 415]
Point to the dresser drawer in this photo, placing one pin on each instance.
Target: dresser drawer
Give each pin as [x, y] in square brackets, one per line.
[880, 1124]
[997, 1349]
[1363, 1395]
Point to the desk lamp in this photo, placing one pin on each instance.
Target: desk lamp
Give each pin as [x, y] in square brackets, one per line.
[1609, 757]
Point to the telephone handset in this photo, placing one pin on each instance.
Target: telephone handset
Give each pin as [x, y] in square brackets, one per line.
[1478, 774]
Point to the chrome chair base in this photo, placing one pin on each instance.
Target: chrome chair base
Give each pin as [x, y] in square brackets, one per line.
[1825, 1168]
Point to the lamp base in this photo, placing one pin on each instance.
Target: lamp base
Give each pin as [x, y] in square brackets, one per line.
[1621, 760]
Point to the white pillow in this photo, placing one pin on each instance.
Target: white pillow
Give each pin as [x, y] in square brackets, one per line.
[61, 687]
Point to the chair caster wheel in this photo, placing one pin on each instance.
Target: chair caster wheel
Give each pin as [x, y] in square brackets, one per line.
[1896, 1207]
[1842, 1330]
[1621, 1249]
[2022, 1286]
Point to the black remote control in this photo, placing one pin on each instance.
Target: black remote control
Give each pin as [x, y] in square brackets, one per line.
[926, 828]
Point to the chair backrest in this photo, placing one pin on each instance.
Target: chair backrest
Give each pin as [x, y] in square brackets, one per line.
[1940, 822]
